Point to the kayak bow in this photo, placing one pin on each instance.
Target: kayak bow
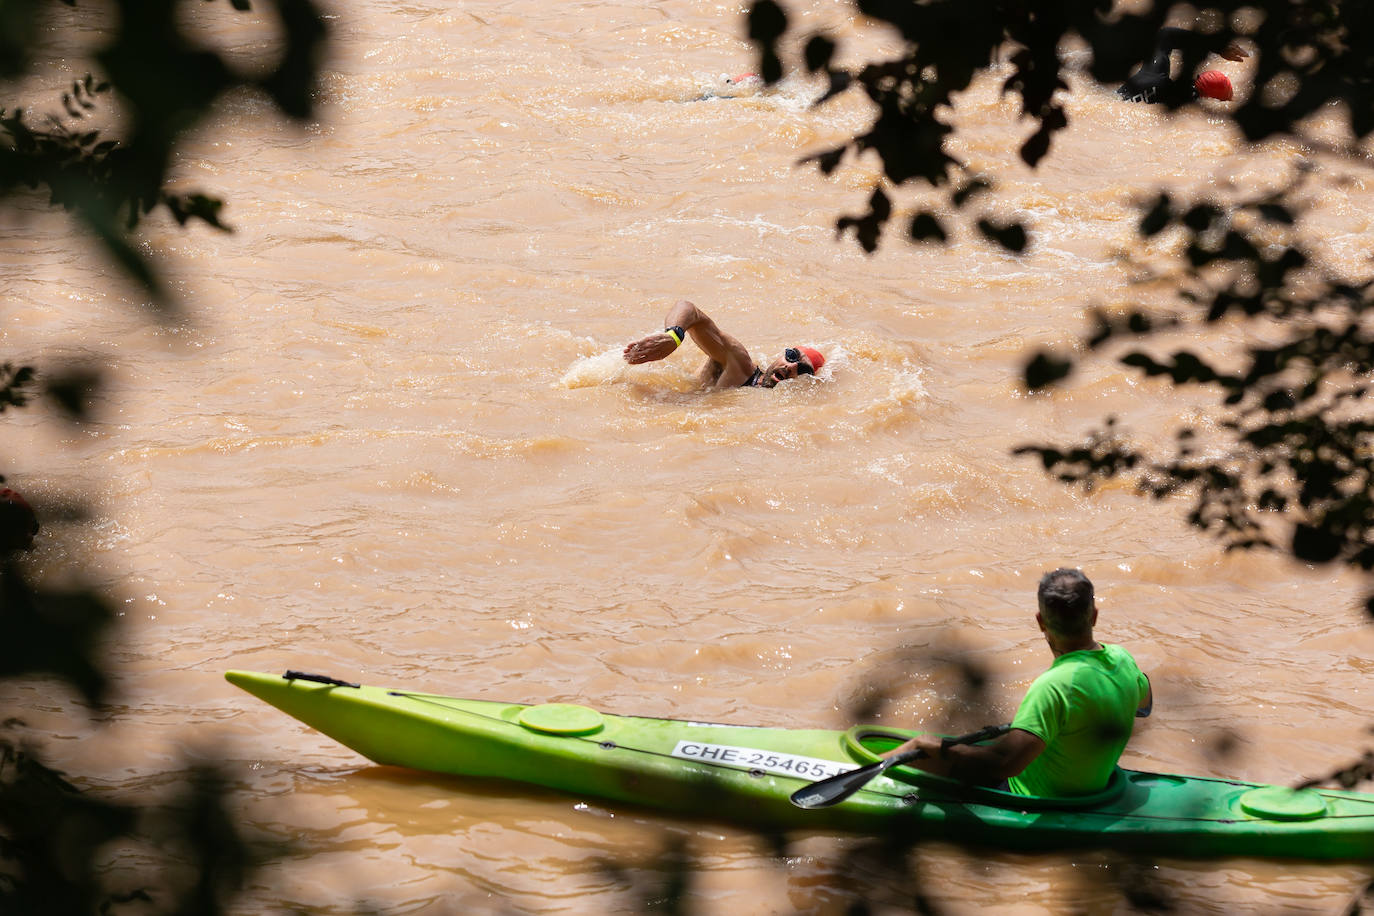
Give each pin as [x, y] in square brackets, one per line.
[748, 773]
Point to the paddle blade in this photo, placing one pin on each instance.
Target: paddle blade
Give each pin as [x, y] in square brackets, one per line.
[834, 789]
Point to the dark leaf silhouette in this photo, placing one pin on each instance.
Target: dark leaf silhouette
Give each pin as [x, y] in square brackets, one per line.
[767, 23]
[819, 51]
[926, 228]
[869, 226]
[969, 190]
[55, 840]
[1315, 544]
[1158, 217]
[1045, 369]
[1012, 237]
[1038, 144]
[54, 632]
[74, 390]
[14, 382]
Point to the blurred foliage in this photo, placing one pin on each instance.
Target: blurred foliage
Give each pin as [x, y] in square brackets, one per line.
[51, 836]
[1363, 902]
[1288, 462]
[166, 86]
[54, 632]
[1349, 776]
[1290, 465]
[55, 840]
[1308, 55]
[1299, 455]
[54, 846]
[13, 382]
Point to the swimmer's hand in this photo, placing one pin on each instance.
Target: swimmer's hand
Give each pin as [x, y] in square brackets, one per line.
[651, 348]
[1234, 51]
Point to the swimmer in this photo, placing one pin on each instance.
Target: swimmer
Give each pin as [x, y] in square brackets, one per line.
[728, 364]
[744, 81]
[734, 87]
[1153, 82]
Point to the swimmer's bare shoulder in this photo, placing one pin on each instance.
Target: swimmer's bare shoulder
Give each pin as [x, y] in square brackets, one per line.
[728, 363]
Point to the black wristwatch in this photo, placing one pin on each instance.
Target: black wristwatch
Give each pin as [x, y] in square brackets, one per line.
[676, 333]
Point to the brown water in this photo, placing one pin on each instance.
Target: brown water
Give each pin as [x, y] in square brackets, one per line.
[395, 442]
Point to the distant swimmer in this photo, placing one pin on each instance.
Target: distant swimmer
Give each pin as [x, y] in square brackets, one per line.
[738, 86]
[728, 364]
[18, 522]
[745, 81]
[1154, 82]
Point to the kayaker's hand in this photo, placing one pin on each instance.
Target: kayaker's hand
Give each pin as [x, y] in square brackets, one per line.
[651, 348]
[930, 744]
[899, 749]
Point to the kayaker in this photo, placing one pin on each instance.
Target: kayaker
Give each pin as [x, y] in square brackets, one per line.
[1154, 82]
[18, 522]
[1075, 719]
[728, 364]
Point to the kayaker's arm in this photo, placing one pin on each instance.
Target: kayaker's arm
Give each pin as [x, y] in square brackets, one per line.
[977, 764]
[1147, 704]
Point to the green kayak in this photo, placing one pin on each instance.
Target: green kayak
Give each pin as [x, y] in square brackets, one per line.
[746, 775]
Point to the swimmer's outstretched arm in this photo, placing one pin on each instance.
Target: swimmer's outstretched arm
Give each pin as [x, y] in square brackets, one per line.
[650, 349]
[715, 343]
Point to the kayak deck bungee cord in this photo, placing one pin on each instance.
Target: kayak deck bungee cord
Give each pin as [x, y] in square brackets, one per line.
[746, 775]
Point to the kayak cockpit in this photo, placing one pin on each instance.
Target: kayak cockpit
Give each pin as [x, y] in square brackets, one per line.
[866, 744]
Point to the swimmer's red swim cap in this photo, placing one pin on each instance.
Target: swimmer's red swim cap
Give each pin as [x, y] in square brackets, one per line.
[814, 355]
[1213, 84]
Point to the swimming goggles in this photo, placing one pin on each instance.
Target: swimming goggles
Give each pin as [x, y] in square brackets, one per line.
[793, 355]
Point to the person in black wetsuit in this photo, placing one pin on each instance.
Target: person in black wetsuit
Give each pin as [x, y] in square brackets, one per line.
[1153, 82]
[728, 364]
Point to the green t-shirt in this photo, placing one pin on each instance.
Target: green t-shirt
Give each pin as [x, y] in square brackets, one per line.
[1083, 708]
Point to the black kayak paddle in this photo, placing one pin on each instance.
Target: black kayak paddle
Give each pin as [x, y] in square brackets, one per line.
[834, 789]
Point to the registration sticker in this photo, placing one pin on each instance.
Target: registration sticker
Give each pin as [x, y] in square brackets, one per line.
[753, 758]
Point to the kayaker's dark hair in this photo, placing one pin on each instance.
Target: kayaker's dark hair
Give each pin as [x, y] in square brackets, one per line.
[1066, 602]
